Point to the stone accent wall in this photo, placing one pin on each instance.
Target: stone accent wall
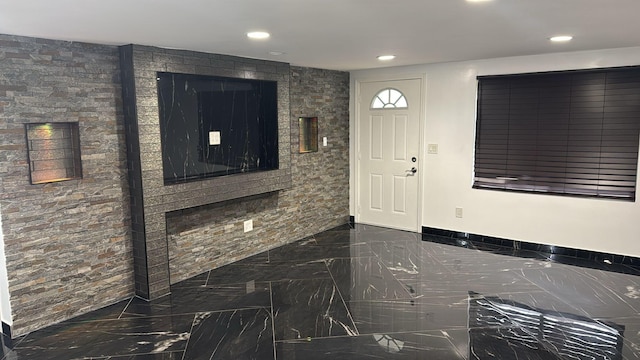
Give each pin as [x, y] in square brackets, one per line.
[67, 244]
[210, 236]
[152, 200]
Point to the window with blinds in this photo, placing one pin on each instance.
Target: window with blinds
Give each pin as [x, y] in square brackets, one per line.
[570, 133]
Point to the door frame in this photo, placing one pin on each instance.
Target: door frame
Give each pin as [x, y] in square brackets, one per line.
[421, 150]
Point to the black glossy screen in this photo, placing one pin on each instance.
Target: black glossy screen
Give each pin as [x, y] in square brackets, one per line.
[196, 110]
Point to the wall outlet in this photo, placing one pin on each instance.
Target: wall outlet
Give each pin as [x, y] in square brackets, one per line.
[459, 212]
[248, 225]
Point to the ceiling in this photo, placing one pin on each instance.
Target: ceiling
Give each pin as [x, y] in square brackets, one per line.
[335, 34]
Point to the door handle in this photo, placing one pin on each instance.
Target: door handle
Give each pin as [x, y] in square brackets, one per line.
[413, 170]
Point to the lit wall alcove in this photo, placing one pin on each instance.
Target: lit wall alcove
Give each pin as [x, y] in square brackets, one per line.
[151, 198]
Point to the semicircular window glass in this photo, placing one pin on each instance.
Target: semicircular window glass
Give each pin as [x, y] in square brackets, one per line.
[389, 99]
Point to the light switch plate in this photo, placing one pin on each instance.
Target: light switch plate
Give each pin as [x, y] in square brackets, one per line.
[214, 137]
[432, 148]
[324, 141]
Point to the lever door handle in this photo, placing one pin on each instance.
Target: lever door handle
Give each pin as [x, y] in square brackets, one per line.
[413, 170]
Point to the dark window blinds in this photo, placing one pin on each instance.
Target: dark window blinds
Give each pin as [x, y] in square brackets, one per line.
[571, 133]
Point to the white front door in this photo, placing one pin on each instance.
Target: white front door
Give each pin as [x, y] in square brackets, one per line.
[388, 153]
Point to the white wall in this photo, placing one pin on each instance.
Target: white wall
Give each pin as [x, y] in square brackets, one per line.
[591, 224]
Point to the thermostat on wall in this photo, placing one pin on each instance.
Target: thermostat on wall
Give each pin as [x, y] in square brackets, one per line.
[214, 137]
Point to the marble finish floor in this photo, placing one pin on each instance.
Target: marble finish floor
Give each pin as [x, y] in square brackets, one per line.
[367, 293]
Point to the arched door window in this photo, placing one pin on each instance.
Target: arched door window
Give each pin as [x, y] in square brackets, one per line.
[389, 99]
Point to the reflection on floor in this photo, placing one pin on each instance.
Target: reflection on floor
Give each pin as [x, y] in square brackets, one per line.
[367, 293]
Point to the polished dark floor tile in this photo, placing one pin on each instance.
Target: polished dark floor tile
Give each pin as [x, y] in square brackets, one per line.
[99, 339]
[420, 314]
[594, 292]
[189, 300]
[238, 334]
[497, 325]
[271, 271]
[365, 278]
[308, 309]
[436, 345]
[631, 346]
[310, 251]
[366, 292]
[198, 280]
[175, 355]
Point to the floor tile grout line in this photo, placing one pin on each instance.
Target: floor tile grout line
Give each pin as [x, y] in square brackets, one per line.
[355, 327]
[403, 286]
[273, 322]
[125, 308]
[143, 316]
[184, 353]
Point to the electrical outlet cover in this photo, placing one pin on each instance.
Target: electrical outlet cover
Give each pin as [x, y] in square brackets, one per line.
[248, 225]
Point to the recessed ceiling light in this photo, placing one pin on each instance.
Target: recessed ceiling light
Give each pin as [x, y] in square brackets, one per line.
[386, 57]
[561, 38]
[276, 53]
[479, 0]
[258, 35]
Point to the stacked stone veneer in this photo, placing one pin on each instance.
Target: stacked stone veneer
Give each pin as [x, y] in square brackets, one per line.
[210, 236]
[67, 245]
[151, 199]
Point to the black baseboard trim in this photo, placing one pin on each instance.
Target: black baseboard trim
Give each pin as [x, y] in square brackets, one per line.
[6, 329]
[604, 261]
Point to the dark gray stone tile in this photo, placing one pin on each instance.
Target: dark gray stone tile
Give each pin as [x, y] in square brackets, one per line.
[309, 308]
[171, 355]
[595, 293]
[96, 339]
[309, 250]
[189, 300]
[434, 345]
[422, 314]
[366, 278]
[274, 271]
[240, 334]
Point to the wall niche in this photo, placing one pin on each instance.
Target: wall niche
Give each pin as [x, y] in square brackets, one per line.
[53, 150]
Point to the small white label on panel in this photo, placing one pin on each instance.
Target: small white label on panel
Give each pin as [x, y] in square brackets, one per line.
[324, 141]
[214, 137]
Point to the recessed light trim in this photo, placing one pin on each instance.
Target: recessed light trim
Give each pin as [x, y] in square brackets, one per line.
[276, 53]
[258, 35]
[386, 57]
[561, 38]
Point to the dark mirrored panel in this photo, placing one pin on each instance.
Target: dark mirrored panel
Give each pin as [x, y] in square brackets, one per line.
[214, 126]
